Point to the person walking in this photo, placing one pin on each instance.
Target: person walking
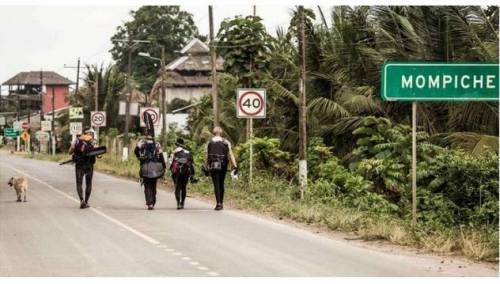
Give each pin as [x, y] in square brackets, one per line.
[84, 165]
[152, 166]
[217, 158]
[182, 169]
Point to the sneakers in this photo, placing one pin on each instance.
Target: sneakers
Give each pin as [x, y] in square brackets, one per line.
[84, 205]
[150, 207]
[218, 207]
[179, 206]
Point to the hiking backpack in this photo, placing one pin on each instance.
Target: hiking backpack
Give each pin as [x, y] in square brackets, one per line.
[181, 164]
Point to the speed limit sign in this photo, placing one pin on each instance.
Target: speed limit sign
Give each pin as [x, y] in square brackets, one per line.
[98, 118]
[251, 103]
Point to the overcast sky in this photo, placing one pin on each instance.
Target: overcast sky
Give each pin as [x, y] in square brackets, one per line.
[47, 37]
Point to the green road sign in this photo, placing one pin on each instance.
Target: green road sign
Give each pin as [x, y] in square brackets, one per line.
[10, 133]
[426, 81]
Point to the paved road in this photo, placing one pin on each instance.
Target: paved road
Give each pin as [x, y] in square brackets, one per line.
[50, 236]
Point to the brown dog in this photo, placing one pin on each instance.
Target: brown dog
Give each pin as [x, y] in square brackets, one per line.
[20, 184]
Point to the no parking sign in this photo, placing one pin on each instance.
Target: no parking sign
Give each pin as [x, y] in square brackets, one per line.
[155, 115]
[251, 103]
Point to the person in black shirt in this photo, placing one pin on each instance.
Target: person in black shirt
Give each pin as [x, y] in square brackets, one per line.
[84, 166]
[219, 154]
[150, 155]
[182, 170]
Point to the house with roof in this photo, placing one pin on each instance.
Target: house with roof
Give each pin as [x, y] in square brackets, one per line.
[189, 76]
[33, 90]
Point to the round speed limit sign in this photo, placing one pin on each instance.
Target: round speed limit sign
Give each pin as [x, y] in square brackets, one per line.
[98, 118]
[251, 103]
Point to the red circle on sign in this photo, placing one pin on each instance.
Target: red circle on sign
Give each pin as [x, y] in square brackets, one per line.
[25, 125]
[154, 116]
[98, 122]
[261, 103]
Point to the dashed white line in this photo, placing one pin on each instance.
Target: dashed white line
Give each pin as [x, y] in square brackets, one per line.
[186, 258]
[211, 273]
[194, 263]
[177, 253]
[202, 268]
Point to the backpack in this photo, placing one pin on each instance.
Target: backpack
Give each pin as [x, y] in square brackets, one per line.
[149, 151]
[218, 152]
[181, 164]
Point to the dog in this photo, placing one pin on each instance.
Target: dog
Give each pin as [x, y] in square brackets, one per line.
[20, 185]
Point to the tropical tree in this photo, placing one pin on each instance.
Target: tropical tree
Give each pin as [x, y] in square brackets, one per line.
[166, 26]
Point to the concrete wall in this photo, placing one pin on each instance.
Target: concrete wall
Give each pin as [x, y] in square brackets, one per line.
[61, 98]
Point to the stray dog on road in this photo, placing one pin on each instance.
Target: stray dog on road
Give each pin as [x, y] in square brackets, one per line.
[20, 184]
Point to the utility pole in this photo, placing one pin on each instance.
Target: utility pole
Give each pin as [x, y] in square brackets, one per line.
[97, 107]
[53, 121]
[129, 91]
[163, 98]
[41, 97]
[215, 102]
[302, 107]
[77, 67]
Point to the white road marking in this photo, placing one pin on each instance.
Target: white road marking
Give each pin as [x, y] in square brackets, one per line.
[123, 226]
[98, 212]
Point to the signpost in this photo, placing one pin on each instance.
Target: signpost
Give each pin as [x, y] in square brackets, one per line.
[16, 125]
[155, 115]
[76, 113]
[10, 133]
[75, 128]
[25, 125]
[97, 119]
[433, 81]
[46, 125]
[250, 104]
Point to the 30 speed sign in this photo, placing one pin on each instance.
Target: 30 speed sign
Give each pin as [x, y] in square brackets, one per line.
[251, 103]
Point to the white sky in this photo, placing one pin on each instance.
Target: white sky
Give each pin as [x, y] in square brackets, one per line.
[47, 37]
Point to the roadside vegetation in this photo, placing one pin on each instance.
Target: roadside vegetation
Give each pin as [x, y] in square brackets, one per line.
[359, 147]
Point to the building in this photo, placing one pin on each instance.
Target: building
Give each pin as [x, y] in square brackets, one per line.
[189, 76]
[25, 88]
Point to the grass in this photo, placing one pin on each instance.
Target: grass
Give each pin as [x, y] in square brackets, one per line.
[273, 197]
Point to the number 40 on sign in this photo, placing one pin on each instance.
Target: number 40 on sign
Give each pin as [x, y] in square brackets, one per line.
[251, 103]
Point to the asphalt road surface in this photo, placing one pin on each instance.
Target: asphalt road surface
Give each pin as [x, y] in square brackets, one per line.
[50, 236]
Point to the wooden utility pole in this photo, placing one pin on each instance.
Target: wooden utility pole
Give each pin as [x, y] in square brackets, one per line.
[129, 95]
[96, 104]
[215, 102]
[53, 121]
[302, 106]
[163, 98]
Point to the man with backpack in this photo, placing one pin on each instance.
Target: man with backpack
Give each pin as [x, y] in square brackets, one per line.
[150, 154]
[219, 154]
[84, 165]
[182, 170]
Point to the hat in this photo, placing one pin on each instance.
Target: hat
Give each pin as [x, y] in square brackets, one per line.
[180, 142]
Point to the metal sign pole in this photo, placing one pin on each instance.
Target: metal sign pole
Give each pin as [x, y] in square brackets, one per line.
[250, 132]
[414, 162]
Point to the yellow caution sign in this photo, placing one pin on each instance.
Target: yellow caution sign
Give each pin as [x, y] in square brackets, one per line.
[25, 136]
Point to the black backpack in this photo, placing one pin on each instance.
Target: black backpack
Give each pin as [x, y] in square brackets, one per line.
[218, 152]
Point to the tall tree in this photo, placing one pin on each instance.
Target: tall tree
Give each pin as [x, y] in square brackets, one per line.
[166, 26]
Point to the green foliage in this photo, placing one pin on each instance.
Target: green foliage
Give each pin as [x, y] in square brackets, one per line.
[243, 43]
[467, 185]
[166, 26]
[267, 156]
